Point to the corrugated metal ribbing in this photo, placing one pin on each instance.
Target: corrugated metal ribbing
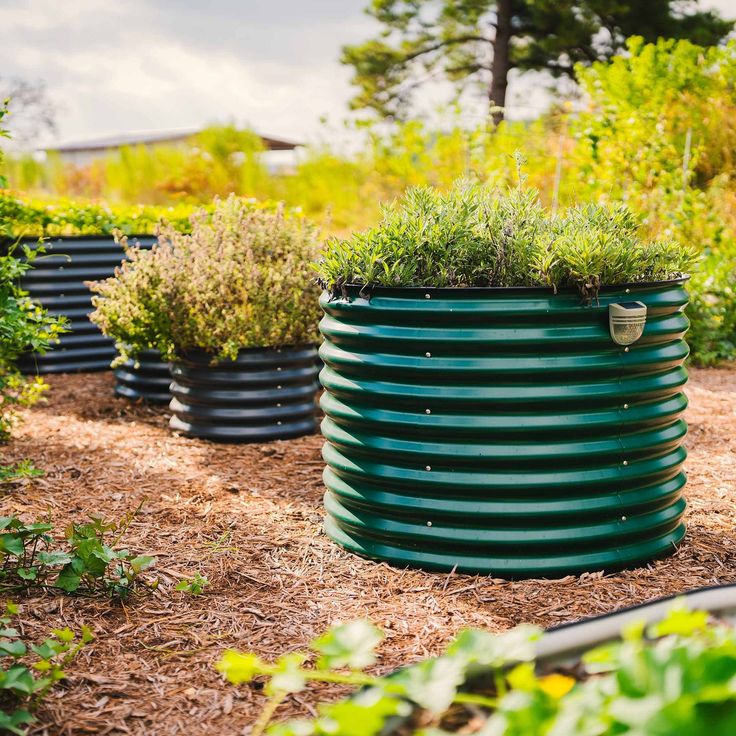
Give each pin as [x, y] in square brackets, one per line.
[147, 381]
[57, 282]
[263, 395]
[502, 431]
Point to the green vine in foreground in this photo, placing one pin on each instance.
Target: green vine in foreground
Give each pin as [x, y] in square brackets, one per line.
[675, 677]
[28, 673]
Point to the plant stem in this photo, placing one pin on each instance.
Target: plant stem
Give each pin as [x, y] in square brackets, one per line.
[259, 727]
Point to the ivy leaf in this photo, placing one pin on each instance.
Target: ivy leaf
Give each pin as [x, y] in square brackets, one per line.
[14, 721]
[288, 676]
[54, 558]
[18, 679]
[11, 544]
[682, 622]
[365, 714]
[432, 684]
[68, 579]
[348, 645]
[13, 648]
[239, 668]
[140, 563]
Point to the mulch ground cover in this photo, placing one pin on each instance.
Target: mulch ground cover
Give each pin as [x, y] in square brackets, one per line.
[249, 518]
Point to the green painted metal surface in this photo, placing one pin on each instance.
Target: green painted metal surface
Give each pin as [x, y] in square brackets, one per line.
[502, 431]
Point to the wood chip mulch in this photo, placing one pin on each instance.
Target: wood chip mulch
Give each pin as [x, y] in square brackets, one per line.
[249, 518]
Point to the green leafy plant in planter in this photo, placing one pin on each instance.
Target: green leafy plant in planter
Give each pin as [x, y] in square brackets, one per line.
[673, 677]
[227, 303]
[474, 236]
[476, 386]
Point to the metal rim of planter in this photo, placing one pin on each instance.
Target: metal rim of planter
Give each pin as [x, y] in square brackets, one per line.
[265, 394]
[501, 431]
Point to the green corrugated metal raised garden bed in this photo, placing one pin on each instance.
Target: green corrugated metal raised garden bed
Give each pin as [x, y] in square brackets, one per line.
[502, 430]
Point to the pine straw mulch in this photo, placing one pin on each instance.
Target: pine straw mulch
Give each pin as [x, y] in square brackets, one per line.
[249, 518]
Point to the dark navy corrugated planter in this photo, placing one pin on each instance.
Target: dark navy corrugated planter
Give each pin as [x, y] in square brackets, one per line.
[266, 394]
[146, 379]
[57, 282]
[502, 431]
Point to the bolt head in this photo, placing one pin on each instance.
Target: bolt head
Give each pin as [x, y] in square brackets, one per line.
[427, 411]
[427, 296]
[428, 468]
[429, 523]
[626, 462]
[427, 355]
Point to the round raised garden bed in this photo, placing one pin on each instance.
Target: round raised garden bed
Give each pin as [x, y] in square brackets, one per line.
[502, 430]
[145, 379]
[57, 282]
[266, 394]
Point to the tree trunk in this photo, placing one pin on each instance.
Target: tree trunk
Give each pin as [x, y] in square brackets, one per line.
[500, 63]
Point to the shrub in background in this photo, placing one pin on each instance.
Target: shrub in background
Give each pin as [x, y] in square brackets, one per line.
[241, 279]
[21, 217]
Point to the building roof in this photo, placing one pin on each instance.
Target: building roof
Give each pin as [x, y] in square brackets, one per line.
[154, 136]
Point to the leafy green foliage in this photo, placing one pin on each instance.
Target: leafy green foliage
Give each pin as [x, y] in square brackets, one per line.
[24, 325]
[240, 280]
[20, 218]
[88, 563]
[28, 673]
[471, 236]
[478, 43]
[22, 469]
[676, 678]
[194, 585]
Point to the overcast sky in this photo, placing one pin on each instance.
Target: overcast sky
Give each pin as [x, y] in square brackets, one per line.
[124, 65]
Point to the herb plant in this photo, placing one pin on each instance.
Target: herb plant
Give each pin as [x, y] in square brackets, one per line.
[241, 279]
[28, 673]
[676, 677]
[473, 236]
[88, 563]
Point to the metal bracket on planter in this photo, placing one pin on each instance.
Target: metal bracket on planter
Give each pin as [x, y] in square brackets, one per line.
[626, 321]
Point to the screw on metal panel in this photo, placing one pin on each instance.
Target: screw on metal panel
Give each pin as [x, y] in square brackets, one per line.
[428, 467]
[626, 350]
[427, 411]
[279, 423]
[427, 296]
[626, 406]
[628, 291]
[626, 462]
[428, 355]
[623, 518]
[429, 523]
